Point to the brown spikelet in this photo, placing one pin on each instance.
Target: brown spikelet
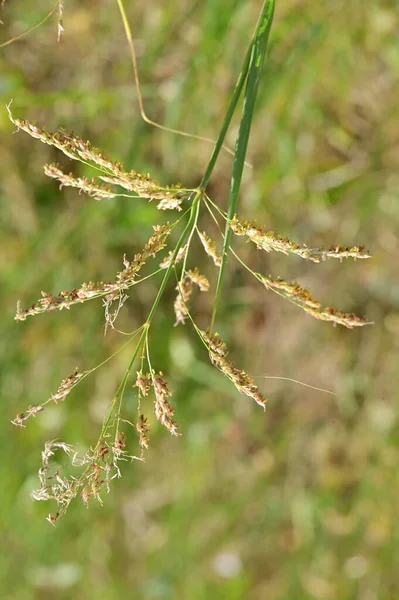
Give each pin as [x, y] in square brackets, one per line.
[303, 298]
[269, 241]
[169, 197]
[180, 305]
[143, 428]
[200, 280]
[111, 290]
[210, 248]
[143, 382]
[163, 409]
[90, 187]
[242, 381]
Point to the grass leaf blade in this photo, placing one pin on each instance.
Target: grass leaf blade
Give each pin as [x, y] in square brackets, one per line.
[258, 52]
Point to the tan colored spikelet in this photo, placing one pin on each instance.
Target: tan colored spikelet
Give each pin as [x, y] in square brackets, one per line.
[167, 260]
[143, 382]
[60, 22]
[302, 298]
[66, 386]
[180, 305]
[185, 289]
[269, 241]
[111, 290]
[143, 429]
[200, 280]
[62, 392]
[170, 197]
[163, 409]
[210, 248]
[242, 381]
[31, 411]
[90, 187]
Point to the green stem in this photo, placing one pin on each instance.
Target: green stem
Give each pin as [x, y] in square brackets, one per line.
[122, 385]
[258, 51]
[190, 224]
[227, 119]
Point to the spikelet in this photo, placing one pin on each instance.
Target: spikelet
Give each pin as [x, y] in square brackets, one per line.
[90, 187]
[269, 241]
[180, 305]
[163, 409]
[168, 259]
[62, 392]
[143, 429]
[210, 248]
[112, 290]
[242, 381]
[301, 297]
[75, 148]
[143, 382]
[185, 289]
[200, 280]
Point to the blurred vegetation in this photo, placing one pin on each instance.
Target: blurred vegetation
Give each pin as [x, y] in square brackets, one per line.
[300, 502]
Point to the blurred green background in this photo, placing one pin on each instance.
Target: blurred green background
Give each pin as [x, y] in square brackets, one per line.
[301, 501]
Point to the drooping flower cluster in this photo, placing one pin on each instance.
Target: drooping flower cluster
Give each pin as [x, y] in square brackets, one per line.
[162, 407]
[100, 465]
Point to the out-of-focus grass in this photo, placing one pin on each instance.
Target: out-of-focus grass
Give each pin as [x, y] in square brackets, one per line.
[302, 501]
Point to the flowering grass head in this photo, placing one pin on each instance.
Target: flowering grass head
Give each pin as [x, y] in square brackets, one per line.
[190, 211]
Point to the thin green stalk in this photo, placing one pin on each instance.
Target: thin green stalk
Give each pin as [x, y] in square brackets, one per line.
[227, 119]
[231, 109]
[190, 224]
[122, 385]
[258, 51]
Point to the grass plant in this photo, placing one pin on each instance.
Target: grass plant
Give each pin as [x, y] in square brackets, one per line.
[191, 210]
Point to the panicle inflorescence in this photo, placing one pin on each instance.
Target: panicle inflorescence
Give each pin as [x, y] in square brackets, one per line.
[242, 381]
[100, 464]
[269, 241]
